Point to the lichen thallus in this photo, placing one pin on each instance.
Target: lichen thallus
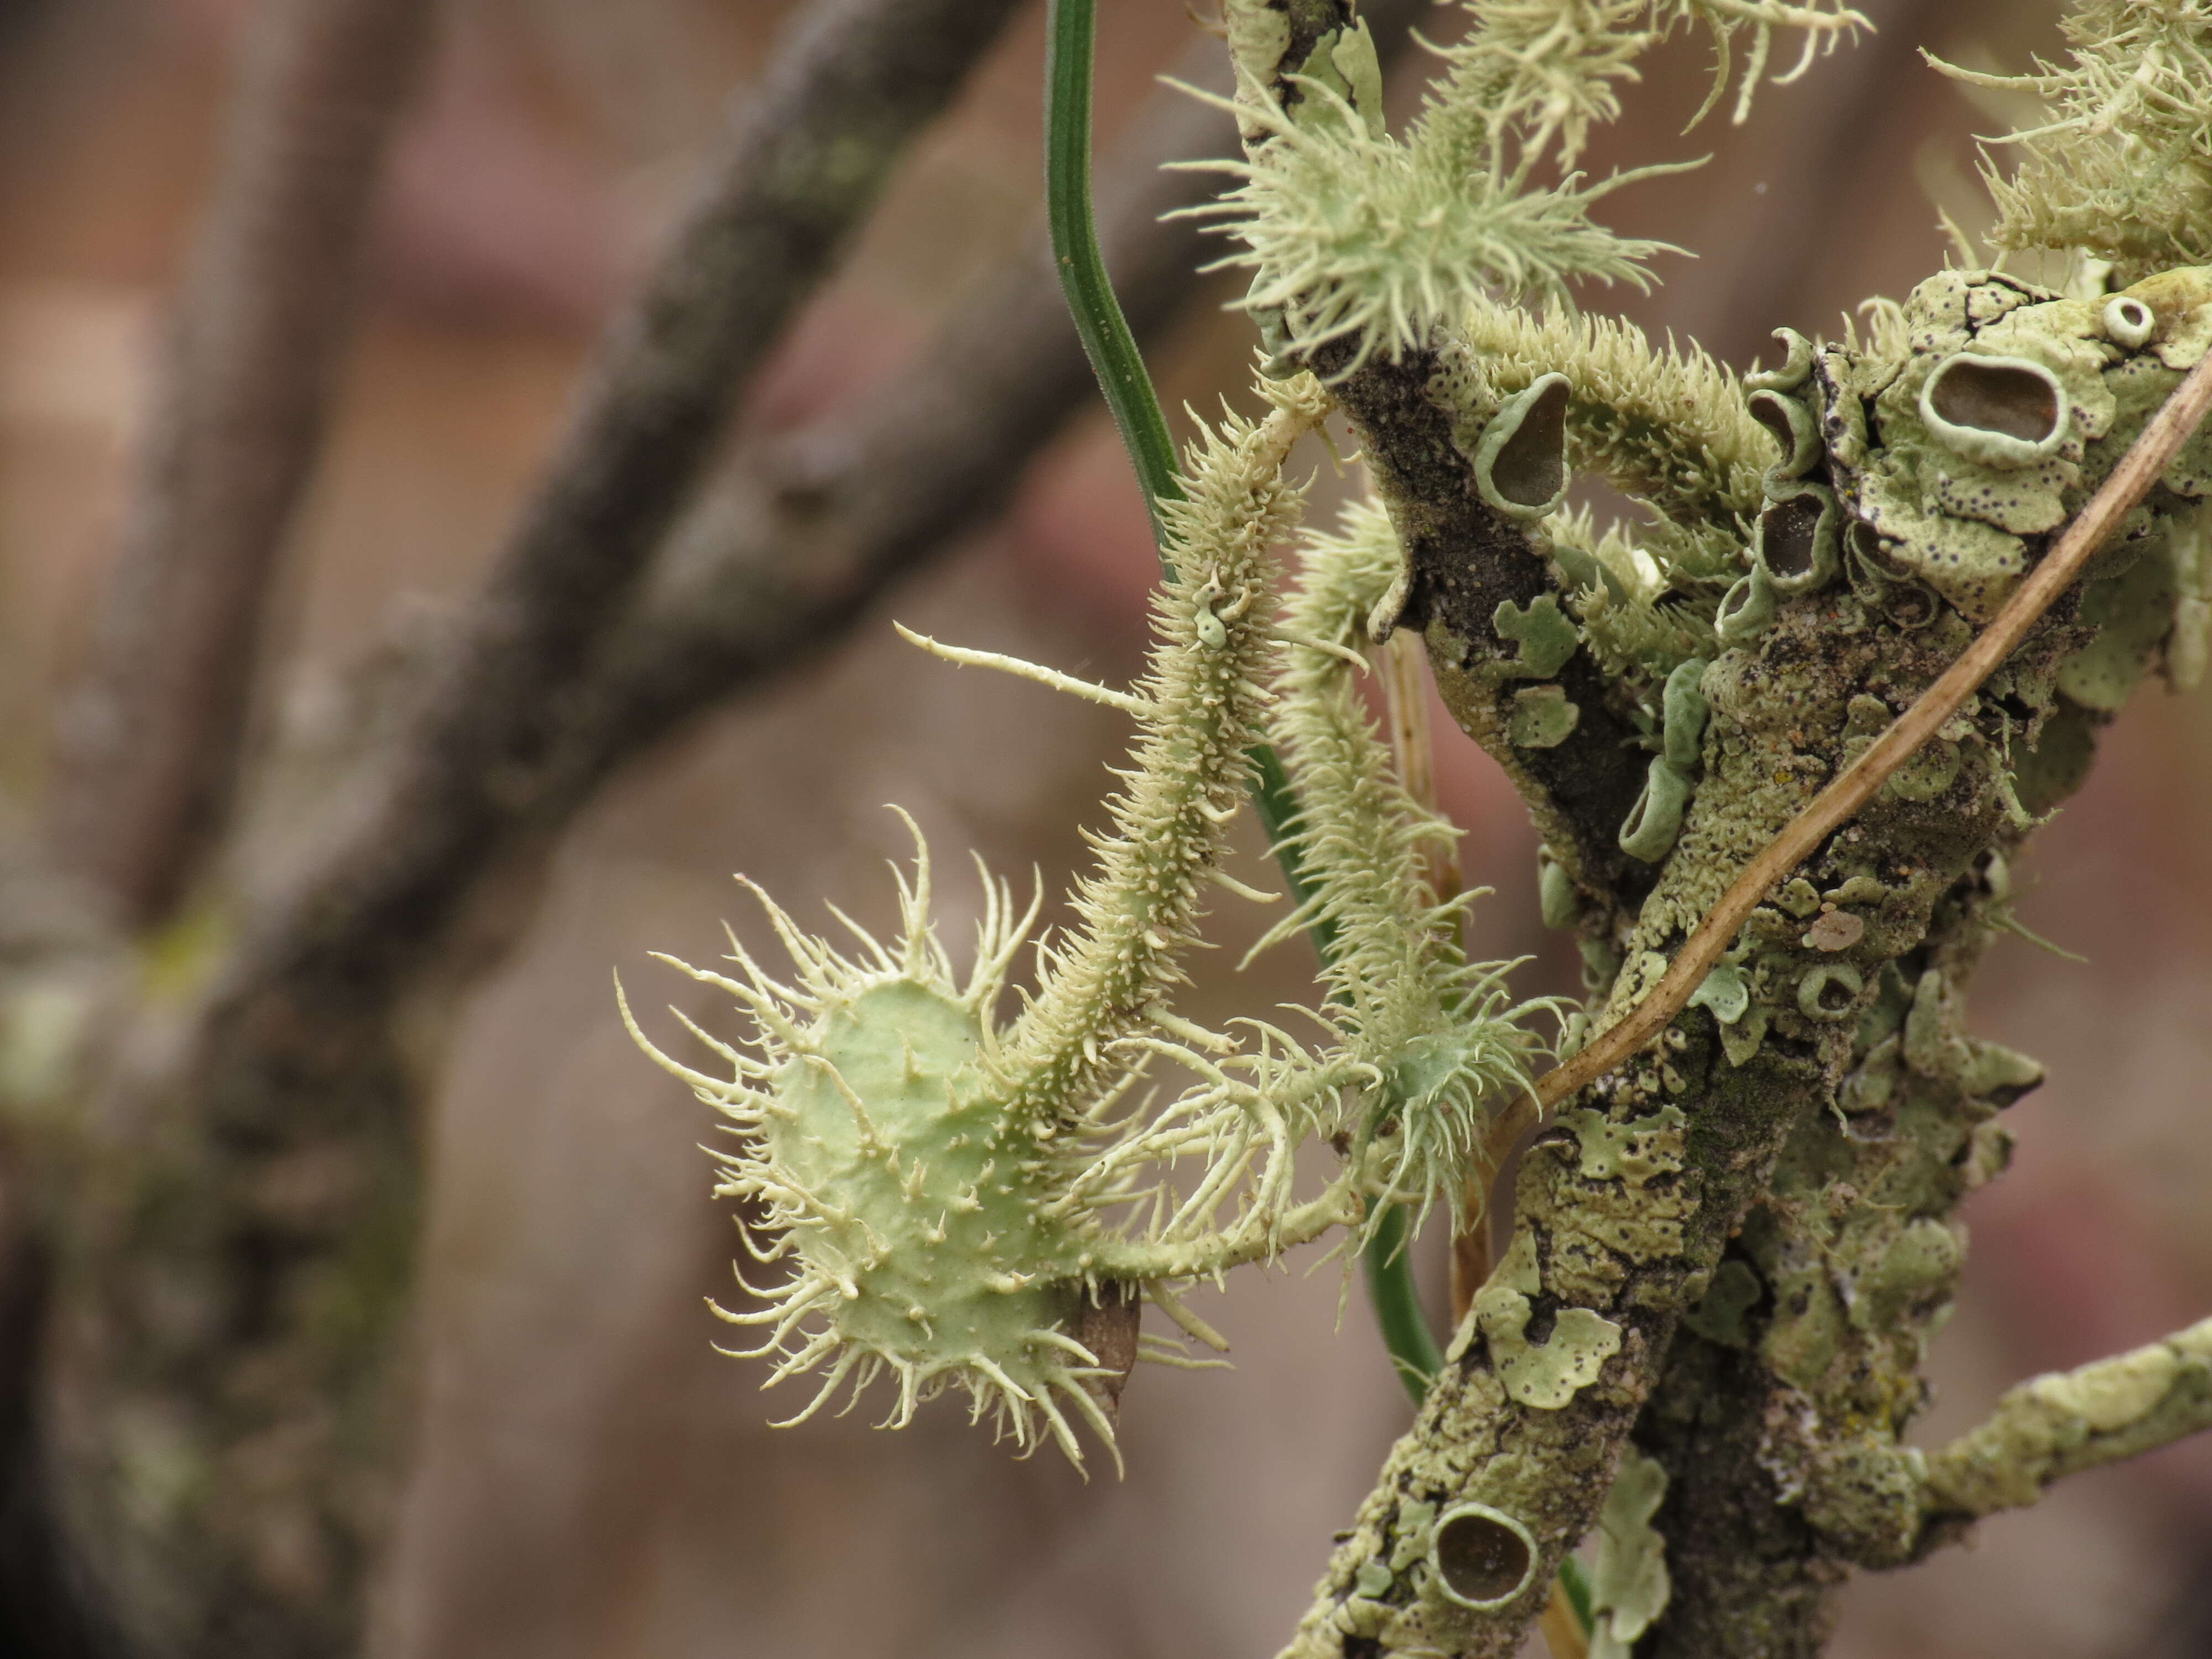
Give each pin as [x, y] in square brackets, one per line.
[951, 1192]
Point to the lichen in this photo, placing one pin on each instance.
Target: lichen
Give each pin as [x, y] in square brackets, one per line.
[1542, 717]
[2036, 389]
[952, 1193]
[1545, 636]
[1542, 1375]
[1629, 1585]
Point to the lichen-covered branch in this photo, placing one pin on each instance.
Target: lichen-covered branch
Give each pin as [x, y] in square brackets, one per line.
[1903, 511]
[1855, 1256]
[1779, 1412]
[1475, 577]
[2070, 1421]
[147, 741]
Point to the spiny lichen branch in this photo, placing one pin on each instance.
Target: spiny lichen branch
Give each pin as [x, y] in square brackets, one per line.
[2123, 169]
[1429, 1025]
[1354, 234]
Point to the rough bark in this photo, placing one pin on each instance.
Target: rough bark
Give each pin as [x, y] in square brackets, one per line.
[147, 742]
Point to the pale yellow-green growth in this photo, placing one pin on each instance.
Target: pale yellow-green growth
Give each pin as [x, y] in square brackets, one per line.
[1353, 232]
[2123, 169]
[2012, 400]
[1668, 426]
[954, 1191]
[1429, 1027]
[1541, 1375]
[1629, 1586]
[2069, 1421]
[951, 1192]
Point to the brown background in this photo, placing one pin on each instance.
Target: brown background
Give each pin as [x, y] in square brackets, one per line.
[591, 1479]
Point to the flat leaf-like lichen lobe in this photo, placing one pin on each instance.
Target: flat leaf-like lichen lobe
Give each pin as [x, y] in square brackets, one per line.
[1967, 473]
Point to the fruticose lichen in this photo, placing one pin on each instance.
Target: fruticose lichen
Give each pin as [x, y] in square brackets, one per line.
[946, 1187]
[1757, 1212]
[962, 1200]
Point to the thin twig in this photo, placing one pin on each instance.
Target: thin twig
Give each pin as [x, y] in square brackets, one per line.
[1834, 806]
[148, 737]
[2063, 1423]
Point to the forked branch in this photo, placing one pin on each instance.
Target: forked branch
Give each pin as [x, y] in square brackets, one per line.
[1835, 805]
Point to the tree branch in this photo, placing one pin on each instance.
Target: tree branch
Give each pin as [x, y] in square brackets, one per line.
[2064, 1423]
[771, 567]
[855, 82]
[1464, 561]
[1838, 804]
[147, 741]
[293, 1063]
[48, 1606]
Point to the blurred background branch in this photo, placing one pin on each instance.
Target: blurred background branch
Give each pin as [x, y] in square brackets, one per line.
[146, 745]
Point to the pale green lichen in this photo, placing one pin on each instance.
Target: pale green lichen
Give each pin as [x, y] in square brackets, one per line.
[2189, 646]
[1482, 1557]
[2057, 1424]
[1634, 1152]
[1720, 1315]
[1794, 428]
[1668, 426]
[2124, 166]
[1724, 992]
[2132, 612]
[1545, 636]
[1629, 1585]
[1656, 820]
[951, 1192]
[1544, 1375]
[1542, 718]
[1638, 626]
[1353, 232]
[1746, 610]
[1520, 461]
[1799, 538]
[1431, 1028]
[2009, 405]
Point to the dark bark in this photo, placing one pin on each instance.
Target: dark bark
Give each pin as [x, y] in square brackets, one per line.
[1748, 1572]
[49, 1606]
[1467, 559]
